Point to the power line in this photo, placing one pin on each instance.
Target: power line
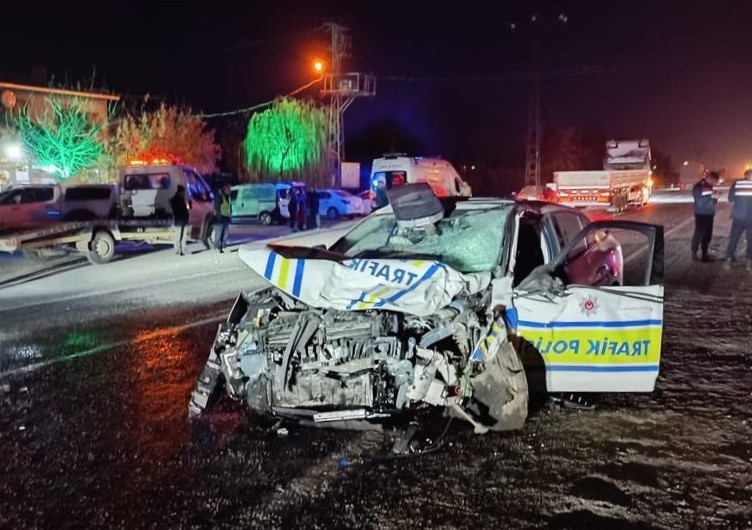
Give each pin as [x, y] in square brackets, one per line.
[509, 77]
[260, 105]
[485, 78]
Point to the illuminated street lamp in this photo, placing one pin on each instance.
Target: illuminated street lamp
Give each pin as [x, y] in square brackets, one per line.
[14, 151]
[318, 66]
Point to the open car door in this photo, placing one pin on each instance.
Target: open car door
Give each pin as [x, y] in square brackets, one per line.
[601, 336]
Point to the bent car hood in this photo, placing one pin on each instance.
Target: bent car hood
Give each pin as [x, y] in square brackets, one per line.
[409, 286]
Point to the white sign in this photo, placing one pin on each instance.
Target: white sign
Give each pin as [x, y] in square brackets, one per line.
[350, 175]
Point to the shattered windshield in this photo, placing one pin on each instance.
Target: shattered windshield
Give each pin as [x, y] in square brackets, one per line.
[468, 240]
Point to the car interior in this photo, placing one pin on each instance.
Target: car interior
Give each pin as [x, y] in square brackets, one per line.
[529, 252]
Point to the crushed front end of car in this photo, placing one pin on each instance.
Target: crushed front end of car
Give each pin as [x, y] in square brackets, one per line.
[343, 341]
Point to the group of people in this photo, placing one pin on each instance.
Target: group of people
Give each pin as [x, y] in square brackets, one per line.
[181, 219]
[705, 200]
[304, 209]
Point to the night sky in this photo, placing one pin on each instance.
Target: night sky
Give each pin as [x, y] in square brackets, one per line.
[678, 73]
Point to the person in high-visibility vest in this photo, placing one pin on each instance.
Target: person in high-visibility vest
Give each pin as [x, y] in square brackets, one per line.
[222, 217]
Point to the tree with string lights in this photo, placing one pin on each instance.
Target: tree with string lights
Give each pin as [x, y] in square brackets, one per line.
[63, 139]
[169, 134]
[288, 141]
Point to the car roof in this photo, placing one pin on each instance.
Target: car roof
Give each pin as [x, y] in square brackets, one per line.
[29, 185]
[543, 207]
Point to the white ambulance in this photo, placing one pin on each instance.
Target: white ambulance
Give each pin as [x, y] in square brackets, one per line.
[398, 169]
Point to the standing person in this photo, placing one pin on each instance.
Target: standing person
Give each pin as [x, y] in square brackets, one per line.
[705, 201]
[740, 195]
[381, 198]
[180, 217]
[314, 219]
[292, 209]
[223, 216]
[300, 203]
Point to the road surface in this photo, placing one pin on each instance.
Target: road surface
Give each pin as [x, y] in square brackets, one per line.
[96, 365]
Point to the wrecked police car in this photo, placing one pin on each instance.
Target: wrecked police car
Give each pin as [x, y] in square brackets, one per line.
[462, 304]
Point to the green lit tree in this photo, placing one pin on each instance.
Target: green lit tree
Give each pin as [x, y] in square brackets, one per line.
[63, 139]
[288, 141]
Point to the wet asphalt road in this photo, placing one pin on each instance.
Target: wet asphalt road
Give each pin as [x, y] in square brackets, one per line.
[94, 387]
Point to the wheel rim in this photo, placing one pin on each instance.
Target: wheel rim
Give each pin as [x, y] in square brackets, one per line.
[103, 247]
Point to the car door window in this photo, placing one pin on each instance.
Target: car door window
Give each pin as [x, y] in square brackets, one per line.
[12, 197]
[196, 188]
[204, 193]
[43, 194]
[30, 196]
[567, 226]
[529, 251]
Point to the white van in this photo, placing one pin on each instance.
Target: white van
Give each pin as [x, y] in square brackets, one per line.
[395, 170]
[146, 190]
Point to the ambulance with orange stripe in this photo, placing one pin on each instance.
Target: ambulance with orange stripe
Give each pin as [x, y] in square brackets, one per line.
[455, 306]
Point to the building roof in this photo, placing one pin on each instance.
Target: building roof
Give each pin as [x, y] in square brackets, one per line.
[58, 91]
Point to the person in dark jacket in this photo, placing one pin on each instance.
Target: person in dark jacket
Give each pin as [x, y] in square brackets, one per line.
[705, 201]
[292, 208]
[302, 208]
[180, 217]
[740, 196]
[314, 219]
[381, 197]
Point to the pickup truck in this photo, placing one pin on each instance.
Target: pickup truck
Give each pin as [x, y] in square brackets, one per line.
[30, 206]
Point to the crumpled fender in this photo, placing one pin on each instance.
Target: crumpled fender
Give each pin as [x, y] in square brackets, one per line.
[415, 287]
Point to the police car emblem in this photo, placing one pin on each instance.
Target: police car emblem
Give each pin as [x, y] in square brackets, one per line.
[589, 306]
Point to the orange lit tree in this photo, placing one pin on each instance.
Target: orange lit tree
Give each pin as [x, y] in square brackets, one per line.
[169, 133]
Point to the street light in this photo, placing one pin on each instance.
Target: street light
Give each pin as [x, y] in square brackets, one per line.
[14, 151]
[318, 66]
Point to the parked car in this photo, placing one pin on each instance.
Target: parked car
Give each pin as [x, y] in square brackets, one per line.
[257, 200]
[536, 193]
[338, 203]
[267, 202]
[369, 200]
[30, 206]
[87, 202]
[454, 305]
[34, 205]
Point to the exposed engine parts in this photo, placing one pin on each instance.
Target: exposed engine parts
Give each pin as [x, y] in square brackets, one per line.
[326, 366]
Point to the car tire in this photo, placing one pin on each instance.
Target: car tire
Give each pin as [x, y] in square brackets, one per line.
[101, 248]
[332, 214]
[265, 218]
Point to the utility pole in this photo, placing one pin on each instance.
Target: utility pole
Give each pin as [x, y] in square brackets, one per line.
[341, 89]
[534, 135]
[535, 112]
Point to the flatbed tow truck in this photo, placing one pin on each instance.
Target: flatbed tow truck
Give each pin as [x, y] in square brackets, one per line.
[95, 239]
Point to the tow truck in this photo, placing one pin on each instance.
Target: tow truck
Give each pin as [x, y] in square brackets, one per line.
[143, 215]
[95, 239]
